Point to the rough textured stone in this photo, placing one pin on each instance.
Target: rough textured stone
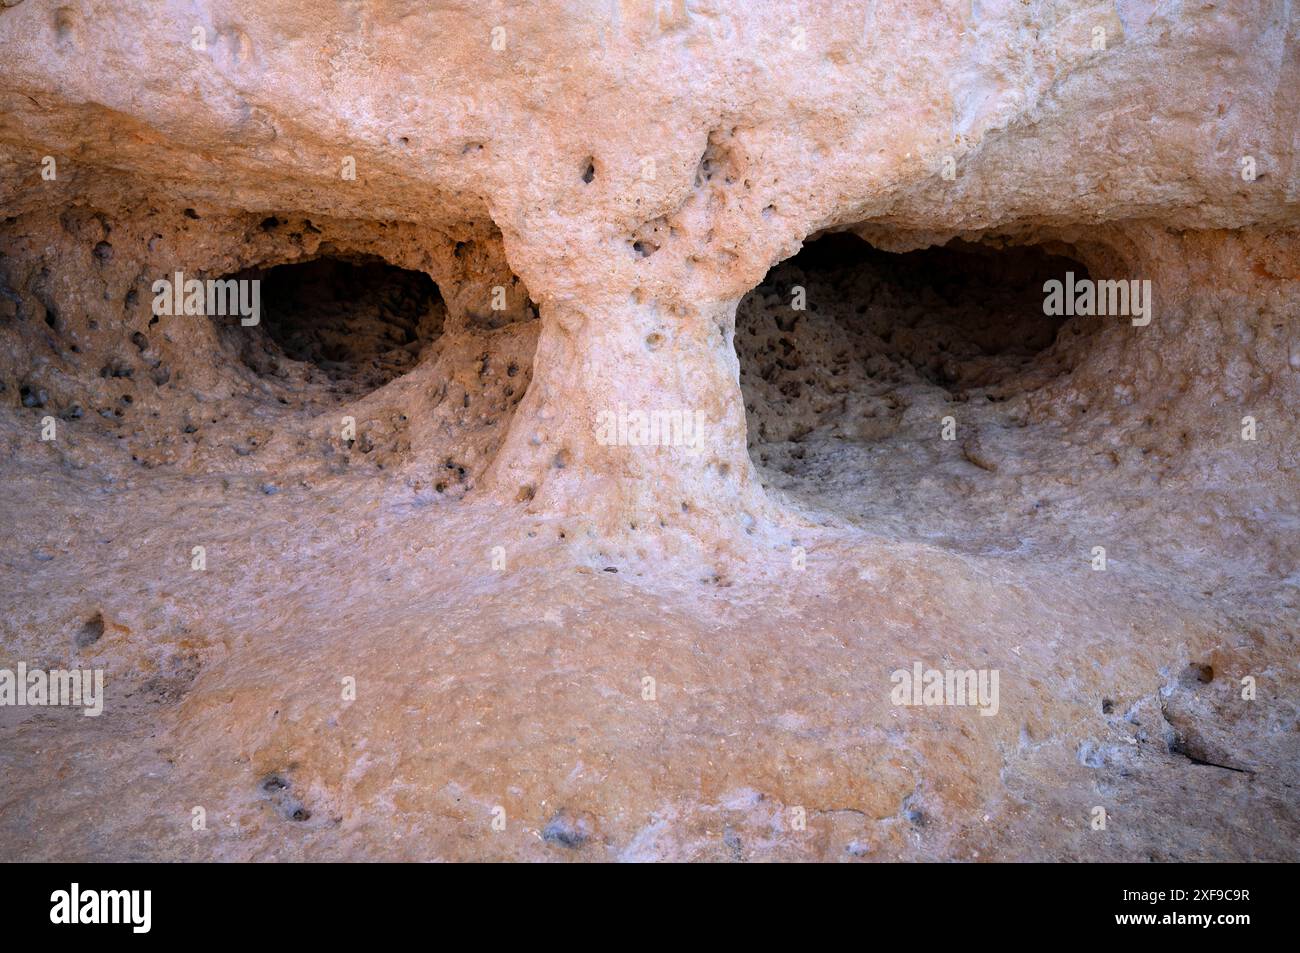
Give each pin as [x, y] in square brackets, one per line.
[566, 648]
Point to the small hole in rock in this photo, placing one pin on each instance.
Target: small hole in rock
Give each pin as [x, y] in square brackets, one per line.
[92, 631]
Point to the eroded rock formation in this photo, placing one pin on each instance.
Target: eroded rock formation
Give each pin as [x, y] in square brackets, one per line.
[434, 592]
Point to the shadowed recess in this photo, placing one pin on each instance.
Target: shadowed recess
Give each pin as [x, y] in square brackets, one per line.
[357, 322]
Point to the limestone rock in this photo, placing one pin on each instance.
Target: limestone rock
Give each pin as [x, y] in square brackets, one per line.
[634, 392]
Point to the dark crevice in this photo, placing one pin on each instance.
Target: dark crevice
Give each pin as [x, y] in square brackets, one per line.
[1176, 747]
[357, 323]
[852, 357]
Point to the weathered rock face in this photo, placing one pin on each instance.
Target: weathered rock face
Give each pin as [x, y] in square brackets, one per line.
[613, 517]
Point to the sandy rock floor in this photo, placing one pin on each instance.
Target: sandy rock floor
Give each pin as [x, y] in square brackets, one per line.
[522, 689]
